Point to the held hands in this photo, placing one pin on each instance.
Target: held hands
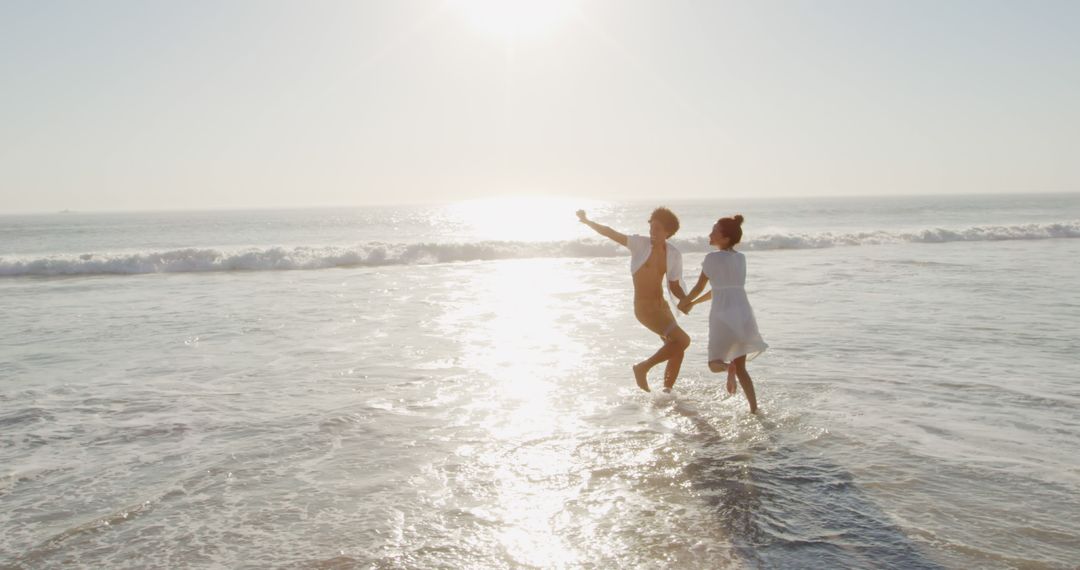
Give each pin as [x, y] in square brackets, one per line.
[685, 305]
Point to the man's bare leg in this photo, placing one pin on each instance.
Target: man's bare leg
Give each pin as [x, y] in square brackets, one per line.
[674, 347]
[641, 376]
[671, 371]
[641, 369]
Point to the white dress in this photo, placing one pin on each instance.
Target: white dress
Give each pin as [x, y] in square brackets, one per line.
[733, 330]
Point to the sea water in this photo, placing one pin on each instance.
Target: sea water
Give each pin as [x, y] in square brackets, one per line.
[449, 386]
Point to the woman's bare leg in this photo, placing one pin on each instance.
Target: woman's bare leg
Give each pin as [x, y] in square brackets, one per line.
[746, 382]
[719, 366]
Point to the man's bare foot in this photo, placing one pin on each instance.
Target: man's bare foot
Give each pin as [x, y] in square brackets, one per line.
[731, 385]
[641, 375]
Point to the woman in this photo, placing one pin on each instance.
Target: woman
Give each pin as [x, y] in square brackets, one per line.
[733, 330]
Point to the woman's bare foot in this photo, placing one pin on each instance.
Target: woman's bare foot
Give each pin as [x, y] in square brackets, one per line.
[641, 375]
[731, 385]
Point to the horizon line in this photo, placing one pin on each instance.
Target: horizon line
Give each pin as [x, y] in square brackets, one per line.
[440, 203]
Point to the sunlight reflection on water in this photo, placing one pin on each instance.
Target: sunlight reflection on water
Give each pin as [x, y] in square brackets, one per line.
[517, 338]
[520, 218]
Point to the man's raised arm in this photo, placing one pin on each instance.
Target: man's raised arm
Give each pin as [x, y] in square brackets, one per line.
[601, 229]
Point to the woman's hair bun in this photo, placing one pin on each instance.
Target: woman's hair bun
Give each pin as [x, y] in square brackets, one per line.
[738, 219]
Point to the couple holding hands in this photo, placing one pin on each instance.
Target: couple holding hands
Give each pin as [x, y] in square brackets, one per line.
[733, 331]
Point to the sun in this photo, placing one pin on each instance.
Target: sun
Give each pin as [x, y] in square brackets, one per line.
[513, 19]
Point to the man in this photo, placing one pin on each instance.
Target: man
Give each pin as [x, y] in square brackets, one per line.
[650, 259]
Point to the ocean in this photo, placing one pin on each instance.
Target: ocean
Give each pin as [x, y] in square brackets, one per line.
[449, 386]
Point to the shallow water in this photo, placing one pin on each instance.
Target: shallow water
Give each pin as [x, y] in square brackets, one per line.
[918, 411]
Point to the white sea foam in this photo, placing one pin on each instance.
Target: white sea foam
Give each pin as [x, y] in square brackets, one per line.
[929, 235]
[378, 254]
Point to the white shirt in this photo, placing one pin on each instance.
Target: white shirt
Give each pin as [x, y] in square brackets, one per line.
[641, 248]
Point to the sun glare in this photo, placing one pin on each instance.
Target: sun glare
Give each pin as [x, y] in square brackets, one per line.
[521, 336]
[521, 218]
[511, 19]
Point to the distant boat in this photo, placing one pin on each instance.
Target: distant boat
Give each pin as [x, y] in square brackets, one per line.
[65, 211]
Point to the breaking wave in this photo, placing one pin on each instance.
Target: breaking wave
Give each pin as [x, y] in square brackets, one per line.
[378, 254]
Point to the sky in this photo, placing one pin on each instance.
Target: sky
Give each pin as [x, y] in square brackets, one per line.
[134, 105]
